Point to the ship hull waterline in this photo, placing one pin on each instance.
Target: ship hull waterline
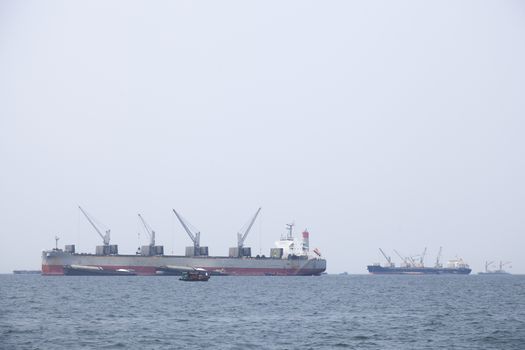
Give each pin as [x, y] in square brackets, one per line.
[73, 271]
[53, 263]
[380, 270]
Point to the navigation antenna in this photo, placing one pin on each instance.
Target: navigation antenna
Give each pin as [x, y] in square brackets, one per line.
[56, 242]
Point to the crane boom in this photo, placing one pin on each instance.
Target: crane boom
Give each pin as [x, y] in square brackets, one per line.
[405, 260]
[423, 256]
[149, 230]
[386, 256]
[402, 258]
[242, 237]
[438, 257]
[105, 237]
[194, 237]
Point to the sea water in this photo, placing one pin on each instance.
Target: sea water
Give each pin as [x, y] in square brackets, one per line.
[326, 312]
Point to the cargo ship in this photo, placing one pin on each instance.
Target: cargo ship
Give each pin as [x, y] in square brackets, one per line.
[290, 257]
[414, 265]
[499, 271]
[27, 272]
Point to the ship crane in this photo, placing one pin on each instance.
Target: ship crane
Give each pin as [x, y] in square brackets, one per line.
[149, 230]
[105, 237]
[241, 236]
[195, 237]
[389, 259]
[422, 258]
[487, 264]
[405, 260]
[501, 264]
[438, 264]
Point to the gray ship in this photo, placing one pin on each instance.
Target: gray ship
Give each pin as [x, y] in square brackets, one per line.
[499, 271]
[290, 257]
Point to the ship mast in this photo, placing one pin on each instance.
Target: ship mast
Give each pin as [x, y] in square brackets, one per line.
[422, 258]
[289, 234]
[502, 264]
[438, 265]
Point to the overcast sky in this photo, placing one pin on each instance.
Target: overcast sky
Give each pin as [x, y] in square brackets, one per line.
[392, 124]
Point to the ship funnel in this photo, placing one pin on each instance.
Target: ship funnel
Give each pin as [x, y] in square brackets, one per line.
[306, 241]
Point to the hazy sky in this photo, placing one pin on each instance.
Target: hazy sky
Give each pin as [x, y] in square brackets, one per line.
[392, 124]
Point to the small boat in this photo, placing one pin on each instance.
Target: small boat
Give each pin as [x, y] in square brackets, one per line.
[196, 275]
[85, 270]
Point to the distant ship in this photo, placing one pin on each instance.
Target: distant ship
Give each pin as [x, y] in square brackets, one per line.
[290, 257]
[499, 271]
[414, 265]
[27, 272]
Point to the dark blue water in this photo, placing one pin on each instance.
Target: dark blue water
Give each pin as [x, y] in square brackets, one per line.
[355, 312]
